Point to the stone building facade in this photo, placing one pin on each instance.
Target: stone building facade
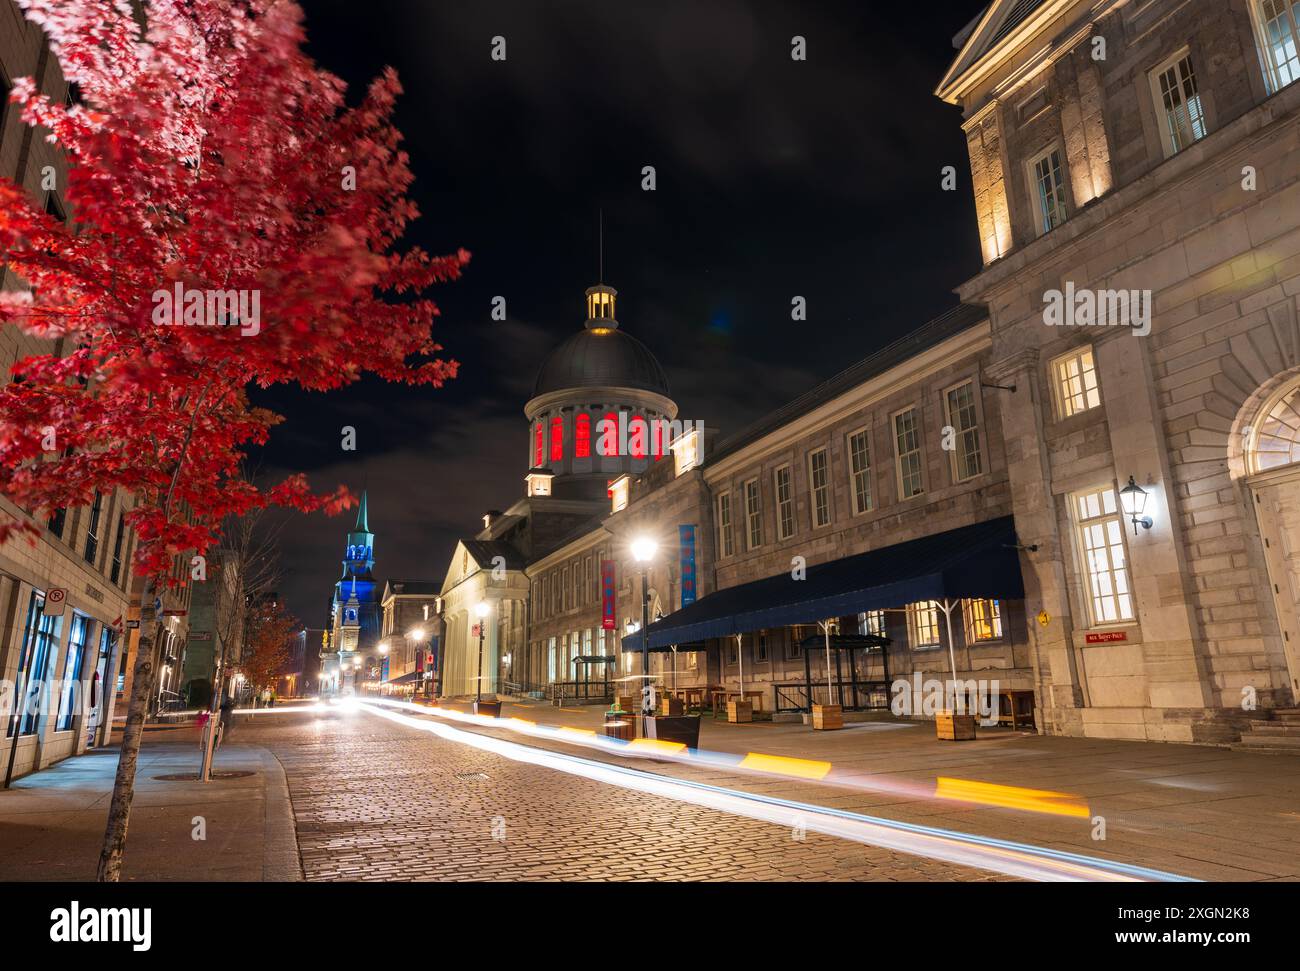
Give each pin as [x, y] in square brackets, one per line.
[83, 552]
[1148, 147]
[1134, 165]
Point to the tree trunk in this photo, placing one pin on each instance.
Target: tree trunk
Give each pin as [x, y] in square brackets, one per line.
[119, 811]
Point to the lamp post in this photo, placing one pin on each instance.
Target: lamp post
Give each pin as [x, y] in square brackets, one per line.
[643, 551]
[481, 611]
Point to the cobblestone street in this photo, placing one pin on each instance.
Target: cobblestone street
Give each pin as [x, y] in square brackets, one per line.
[375, 800]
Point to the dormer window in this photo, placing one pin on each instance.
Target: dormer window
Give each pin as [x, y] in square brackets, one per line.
[618, 493]
[539, 482]
[686, 451]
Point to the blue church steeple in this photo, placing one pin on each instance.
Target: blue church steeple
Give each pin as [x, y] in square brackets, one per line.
[359, 559]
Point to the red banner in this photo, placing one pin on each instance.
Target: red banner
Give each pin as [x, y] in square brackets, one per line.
[608, 595]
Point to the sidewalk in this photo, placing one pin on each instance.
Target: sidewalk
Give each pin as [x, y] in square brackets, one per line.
[1204, 812]
[52, 823]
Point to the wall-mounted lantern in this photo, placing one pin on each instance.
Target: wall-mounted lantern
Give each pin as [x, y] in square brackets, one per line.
[1134, 499]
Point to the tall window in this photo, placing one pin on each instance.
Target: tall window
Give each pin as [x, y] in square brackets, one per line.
[907, 445]
[552, 660]
[753, 516]
[923, 624]
[1048, 183]
[539, 454]
[1279, 22]
[600, 642]
[1101, 543]
[638, 434]
[557, 438]
[860, 469]
[819, 477]
[1074, 377]
[1178, 103]
[725, 544]
[56, 522]
[586, 642]
[582, 436]
[92, 533]
[71, 688]
[872, 622]
[784, 503]
[116, 570]
[40, 640]
[760, 647]
[959, 403]
[983, 620]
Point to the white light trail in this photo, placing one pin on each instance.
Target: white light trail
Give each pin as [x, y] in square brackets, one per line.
[963, 849]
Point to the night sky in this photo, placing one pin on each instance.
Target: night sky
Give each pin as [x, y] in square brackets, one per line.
[776, 178]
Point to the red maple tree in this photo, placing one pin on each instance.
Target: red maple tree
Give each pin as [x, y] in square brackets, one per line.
[208, 158]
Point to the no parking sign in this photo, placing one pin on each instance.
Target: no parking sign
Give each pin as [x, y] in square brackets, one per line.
[55, 601]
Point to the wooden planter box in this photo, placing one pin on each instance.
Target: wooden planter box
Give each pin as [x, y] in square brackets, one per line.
[491, 709]
[674, 728]
[668, 705]
[740, 711]
[827, 717]
[952, 727]
[630, 704]
[620, 724]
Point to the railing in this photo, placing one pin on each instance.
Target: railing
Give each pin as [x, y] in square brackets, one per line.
[592, 692]
[852, 696]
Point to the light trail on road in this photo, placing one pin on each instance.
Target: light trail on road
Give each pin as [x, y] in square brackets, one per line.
[964, 849]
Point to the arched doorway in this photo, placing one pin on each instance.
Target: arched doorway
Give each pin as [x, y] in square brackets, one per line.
[1273, 468]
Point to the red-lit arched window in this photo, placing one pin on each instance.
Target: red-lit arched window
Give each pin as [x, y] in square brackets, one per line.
[607, 435]
[539, 455]
[657, 438]
[582, 436]
[557, 439]
[637, 433]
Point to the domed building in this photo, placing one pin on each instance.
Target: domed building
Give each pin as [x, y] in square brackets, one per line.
[600, 388]
[593, 419]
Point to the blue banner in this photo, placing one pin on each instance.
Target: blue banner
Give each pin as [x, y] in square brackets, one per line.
[686, 542]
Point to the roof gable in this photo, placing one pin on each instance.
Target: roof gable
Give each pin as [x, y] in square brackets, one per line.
[995, 25]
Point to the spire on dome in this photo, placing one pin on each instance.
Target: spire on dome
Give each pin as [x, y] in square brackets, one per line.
[363, 525]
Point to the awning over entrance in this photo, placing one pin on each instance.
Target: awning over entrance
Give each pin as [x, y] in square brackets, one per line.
[411, 677]
[978, 561]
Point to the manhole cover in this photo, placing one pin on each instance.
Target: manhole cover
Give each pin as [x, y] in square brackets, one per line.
[194, 776]
[471, 775]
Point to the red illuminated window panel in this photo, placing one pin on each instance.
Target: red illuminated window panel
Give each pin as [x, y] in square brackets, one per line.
[557, 439]
[582, 437]
[538, 454]
[637, 432]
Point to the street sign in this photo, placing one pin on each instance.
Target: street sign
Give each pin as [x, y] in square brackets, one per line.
[174, 613]
[55, 601]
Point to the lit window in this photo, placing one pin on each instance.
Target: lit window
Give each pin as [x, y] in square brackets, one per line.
[539, 453]
[1101, 543]
[557, 439]
[860, 469]
[753, 516]
[725, 544]
[959, 403]
[1047, 187]
[72, 671]
[657, 426]
[983, 620]
[872, 622]
[819, 476]
[686, 451]
[1279, 22]
[637, 433]
[784, 503]
[1178, 104]
[907, 444]
[618, 493]
[923, 624]
[1076, 383]
[551, 660]
[582, 436]
[92, 532]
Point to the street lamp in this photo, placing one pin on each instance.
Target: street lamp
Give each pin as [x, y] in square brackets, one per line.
[415, 634]
[1134, 499]
[481, 611]
[643, 551]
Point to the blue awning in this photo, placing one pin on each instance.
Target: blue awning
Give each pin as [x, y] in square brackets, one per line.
[979, 561]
